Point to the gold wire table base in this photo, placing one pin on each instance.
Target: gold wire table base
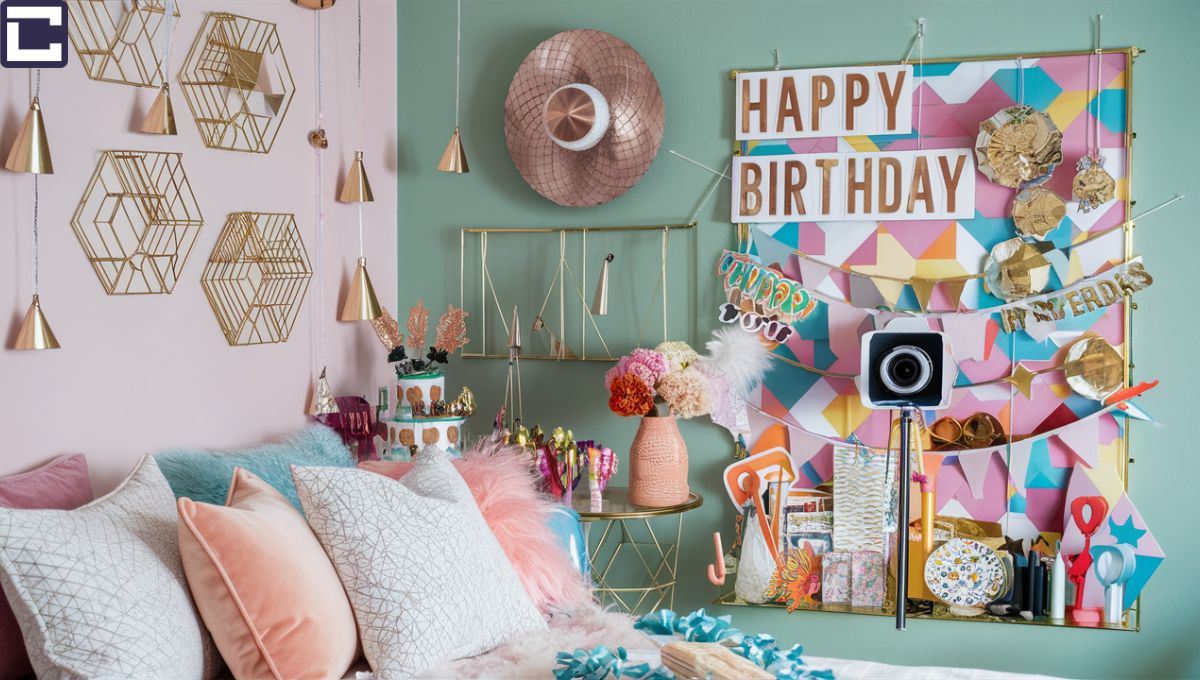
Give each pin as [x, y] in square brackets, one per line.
[633, 574]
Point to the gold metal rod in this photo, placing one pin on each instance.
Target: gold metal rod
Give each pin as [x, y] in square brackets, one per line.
[1133, 51]
[555, 230]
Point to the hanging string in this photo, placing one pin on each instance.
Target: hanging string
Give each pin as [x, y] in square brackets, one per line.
[1021, 81]
[165, 27]
[358, 84]
[36, 264]
[358, 74]
[457, 59]
[1099, 84]
[320, 111]
[37, 91]
[921, 90]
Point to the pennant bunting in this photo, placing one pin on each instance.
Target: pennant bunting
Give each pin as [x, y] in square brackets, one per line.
[954, 290]
[890, 290]
[1018, 463]
[923, 289]
[1083, 440]
[975, 467]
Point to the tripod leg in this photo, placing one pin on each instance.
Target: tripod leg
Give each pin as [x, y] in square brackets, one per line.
[902, 521]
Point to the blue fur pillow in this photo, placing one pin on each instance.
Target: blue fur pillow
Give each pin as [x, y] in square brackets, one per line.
[204, 476]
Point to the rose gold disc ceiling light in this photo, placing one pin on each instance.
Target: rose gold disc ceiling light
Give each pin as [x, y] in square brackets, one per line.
[583, 118]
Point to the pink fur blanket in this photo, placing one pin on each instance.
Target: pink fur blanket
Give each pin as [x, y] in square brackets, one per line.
[534, 656]
[501, 478]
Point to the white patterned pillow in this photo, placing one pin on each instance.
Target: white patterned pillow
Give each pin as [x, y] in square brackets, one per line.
[426, 577]
[99, 591]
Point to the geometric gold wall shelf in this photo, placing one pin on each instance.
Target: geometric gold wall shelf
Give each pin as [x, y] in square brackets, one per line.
[256, 277]
[137, 221]
[118, 42]
[237, 83]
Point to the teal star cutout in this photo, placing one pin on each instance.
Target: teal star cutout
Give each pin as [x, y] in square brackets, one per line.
[1125, 533]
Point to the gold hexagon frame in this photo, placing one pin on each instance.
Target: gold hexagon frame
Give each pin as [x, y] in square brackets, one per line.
[257, 277]
[237, 83]
[119, 42]
[137, 221]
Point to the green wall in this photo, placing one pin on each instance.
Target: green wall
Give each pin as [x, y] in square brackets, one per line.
[691, 46]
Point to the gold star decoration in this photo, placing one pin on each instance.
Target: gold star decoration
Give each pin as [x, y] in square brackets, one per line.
[1022, 379]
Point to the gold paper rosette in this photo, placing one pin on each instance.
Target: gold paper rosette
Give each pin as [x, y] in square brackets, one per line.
[1092, 186]
[1018, 145]
[1016, 269]
[1037, 211]
[1093, 368]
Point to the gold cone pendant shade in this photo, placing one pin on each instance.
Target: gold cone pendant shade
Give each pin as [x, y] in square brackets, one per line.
[160, 120]
[454, 159]
[600, 300]
[30, 151]
[35, 331]
[361, 303]
[357, 189]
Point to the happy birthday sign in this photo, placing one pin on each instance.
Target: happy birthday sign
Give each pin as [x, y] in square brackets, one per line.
[825, 102]
[880, 185]
[1087, 296]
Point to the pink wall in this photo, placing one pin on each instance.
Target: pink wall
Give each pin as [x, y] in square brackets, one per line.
[139, 373]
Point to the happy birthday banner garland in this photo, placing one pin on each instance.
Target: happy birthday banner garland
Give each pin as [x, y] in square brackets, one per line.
[771, 293]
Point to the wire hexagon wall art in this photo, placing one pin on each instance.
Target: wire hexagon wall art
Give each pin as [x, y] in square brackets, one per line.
[119, 42]
[137, 221]
[257, 277]
[237, 83]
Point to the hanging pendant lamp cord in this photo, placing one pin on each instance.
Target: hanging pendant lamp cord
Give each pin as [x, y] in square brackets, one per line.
[320, 188]
[457, 60]
[358, 81]
[165, 27]
[37, 92]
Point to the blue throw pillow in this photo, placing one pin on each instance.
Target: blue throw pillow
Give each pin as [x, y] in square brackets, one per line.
[204, 475]
[568, 529]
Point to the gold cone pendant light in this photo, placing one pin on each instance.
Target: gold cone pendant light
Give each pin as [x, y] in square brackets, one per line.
[361, 303]
[357, 188]
[30, 151]
[35, 331]
[600, 300]
[160, 120]
[454, 159]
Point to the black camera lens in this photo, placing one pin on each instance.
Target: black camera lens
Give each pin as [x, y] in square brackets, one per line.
[906, 369]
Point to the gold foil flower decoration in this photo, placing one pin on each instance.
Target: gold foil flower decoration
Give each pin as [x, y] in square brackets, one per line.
[1018, 145]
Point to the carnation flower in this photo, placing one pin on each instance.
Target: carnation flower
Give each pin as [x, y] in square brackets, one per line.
[646, 364]
[629, 395]
[686, 393]
[679, 354]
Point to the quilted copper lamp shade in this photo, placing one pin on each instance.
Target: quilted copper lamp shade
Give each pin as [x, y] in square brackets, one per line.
[583, 118]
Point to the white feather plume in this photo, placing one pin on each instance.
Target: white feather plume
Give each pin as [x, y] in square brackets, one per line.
[739, 355]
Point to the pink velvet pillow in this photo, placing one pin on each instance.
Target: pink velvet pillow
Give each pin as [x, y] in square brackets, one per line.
[502, 483]
[61, 484]
[264, 586]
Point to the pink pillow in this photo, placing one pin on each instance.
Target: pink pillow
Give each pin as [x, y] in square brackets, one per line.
[61, 484]
[264, 586]
[502, 482]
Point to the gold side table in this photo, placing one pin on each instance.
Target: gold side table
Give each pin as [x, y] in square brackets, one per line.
[624, 545]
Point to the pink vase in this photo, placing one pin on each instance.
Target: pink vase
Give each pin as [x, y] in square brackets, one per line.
[658, 464]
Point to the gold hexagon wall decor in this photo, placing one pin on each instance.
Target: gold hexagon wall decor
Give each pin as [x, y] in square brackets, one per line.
[237, 83]
[119, 42]
[137, 221]
[257, 277]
